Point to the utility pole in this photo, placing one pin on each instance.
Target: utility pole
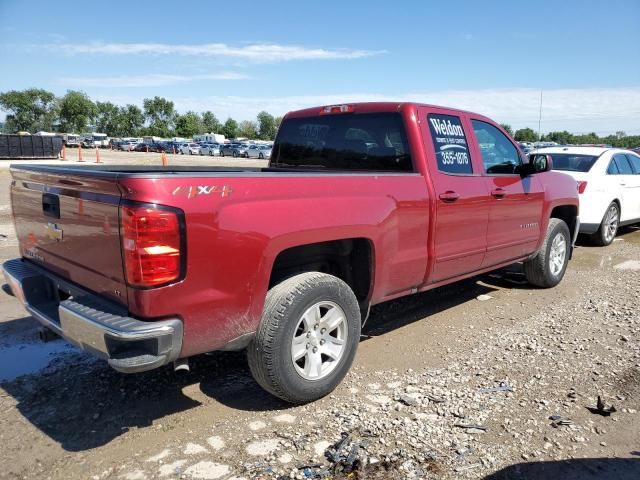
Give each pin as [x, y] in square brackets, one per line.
[540, 119]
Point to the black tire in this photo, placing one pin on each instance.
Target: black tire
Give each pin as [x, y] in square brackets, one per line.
[605, 236]
[269, 353]
[538, 269]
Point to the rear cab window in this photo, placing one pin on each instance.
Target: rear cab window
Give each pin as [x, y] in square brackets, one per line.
[450, 144]
[569, 162]
[350, 141]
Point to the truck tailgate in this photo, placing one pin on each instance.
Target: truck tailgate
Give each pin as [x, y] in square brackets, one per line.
[69, 224]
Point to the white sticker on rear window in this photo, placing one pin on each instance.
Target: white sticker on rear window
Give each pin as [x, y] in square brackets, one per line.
[450, 144]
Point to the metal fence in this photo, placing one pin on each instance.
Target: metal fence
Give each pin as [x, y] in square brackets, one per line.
[29, 146]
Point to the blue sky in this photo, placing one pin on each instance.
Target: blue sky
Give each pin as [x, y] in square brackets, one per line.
[239, 58]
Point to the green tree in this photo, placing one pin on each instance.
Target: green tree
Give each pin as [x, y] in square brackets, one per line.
[131, 120]
[160, 115]
[108, 119]
[525, 135]
[76, 112]
[563, 137]
[248, 129]
[210, 123]
[30, 110]
[508, 128]
[230, 128]
[266, 126]
[188, 125]
[276, 122]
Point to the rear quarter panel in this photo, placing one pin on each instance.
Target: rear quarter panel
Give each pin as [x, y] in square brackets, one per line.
[237, 229]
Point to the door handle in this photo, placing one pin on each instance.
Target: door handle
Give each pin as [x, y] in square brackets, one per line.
[622, 184]
[498, 193]
[449, 196]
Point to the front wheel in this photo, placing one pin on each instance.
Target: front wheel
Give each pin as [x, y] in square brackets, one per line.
[609, 226]
[547, 268]
[307, 338]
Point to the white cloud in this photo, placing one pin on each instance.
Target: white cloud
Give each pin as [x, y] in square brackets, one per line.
[260, 52]
[603, 110]
[146, 80]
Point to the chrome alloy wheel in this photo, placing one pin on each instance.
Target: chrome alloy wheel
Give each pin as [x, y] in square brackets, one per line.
[557, 254]
[611, 223]
[319, 340]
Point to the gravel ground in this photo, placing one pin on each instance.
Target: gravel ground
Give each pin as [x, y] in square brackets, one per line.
[487, 378]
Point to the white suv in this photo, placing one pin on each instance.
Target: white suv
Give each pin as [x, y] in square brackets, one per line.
[608, 181]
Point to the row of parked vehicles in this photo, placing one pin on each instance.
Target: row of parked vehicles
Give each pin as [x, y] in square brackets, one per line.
[242, 150]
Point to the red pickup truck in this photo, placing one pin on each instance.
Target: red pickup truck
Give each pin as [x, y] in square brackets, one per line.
[360, 204]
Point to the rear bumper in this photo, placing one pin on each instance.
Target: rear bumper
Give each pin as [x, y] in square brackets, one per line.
[93, 324]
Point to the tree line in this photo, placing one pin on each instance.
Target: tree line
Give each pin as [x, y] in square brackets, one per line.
[35, 109]
[620, 139]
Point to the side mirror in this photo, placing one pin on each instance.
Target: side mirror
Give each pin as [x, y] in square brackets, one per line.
[539, 163]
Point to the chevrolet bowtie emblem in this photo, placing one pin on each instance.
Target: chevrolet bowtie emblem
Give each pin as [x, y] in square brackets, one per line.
[53, 232]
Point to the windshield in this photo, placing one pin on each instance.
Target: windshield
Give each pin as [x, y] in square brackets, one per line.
[572, 163]
[370, 141]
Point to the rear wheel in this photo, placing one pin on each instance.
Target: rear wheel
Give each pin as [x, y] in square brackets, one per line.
[307, 338]
[547, 268]
[609, 226]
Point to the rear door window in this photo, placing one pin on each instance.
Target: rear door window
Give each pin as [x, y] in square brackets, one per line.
[365, 142]
[450, 144]
[624, 167]
[634, 160]
[499, 155]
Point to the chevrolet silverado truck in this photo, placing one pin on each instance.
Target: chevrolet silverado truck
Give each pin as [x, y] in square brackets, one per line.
[360, 204]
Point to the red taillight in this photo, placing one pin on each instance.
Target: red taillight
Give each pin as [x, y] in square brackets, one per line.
[336, 109]
[582, 186]
[151, 245]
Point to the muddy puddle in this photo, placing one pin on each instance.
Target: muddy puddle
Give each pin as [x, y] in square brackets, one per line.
[596, 259]
[25, 358]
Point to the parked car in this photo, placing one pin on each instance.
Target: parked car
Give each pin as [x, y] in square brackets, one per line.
[362, 203]
[259, 151]
[608, 183]
[126, 146]
[231, 149]
[210, 149]
[190, 149]
[142, 147]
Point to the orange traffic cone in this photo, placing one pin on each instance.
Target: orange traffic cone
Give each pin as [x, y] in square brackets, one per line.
[80, 153]
[98, 155]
